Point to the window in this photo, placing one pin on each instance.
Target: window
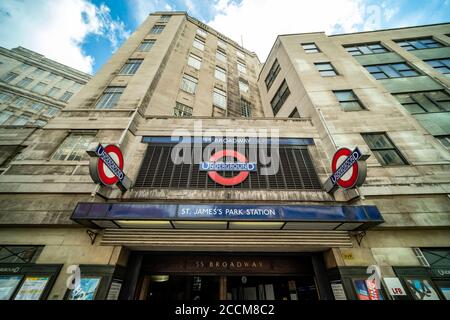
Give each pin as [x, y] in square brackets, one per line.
[444, 140]
[393, 70]
[37, 107]
[417, 44]
[199, 44]
[280, 97]
[157, 29]
[441, 65]
[220, 98]
[246, 108]
[240, 55]
[348, 100]
[220, 74]
[109, 98]
[424, 102]
[272, 75]
[65, 83]
[294, 114]
[40, 123]
[221, 56]
[51, 111]
[4, 116]
[325, 69]
[66, 96]
[76, 87]
[383, 149]
[188, 84]
[310, 47]
[243, 86]
[51, 77]
[74, 147]
[164, 18]
[182, 110]
[24, 82]
[146, 45]
[362, 49]
[202, 33]
[37, 72]
[19, 254]
[9, 77]
[54, 92]
[221, 44]
[5, 97]
[242, 68]
[194, 61]
[39, 88]
[21, 101]
[130, 67]
[24, 66]
[20, 121]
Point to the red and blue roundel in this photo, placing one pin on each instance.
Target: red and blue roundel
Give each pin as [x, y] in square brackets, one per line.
[349, 176]
[214, 165]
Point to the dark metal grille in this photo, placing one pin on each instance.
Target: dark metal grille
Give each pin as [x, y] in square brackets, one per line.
[157, 170]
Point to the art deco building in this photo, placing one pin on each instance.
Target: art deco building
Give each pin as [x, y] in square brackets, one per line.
[181, 232]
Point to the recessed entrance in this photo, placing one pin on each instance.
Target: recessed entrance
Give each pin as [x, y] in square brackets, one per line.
[213, 277]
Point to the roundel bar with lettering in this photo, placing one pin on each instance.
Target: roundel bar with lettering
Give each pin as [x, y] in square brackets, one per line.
[349, 169]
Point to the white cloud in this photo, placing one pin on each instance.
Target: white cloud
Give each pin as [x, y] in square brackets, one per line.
[142, 8]
[260, 21]
[57, 29]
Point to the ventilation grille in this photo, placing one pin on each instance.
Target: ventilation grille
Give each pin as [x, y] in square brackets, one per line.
[296, 172]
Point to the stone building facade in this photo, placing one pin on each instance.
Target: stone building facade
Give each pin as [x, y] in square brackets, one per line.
[177, 228]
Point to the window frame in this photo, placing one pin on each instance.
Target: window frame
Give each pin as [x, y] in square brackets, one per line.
[410, 43]
[356, 48]
[193, 57]
[79, 151]
[222, 72]
[280, 97]
[442, 65]
[157, 29]
[186, 78]
[246, 108]
[113, 94]
[184, 110]
[198, 43]
[394, 148]
[217, 92]
[130, 67]
[330, 69]
[146, 45]
[315, 49]
[426, 94]
[272, 74]
[386, 68]
[356, 99]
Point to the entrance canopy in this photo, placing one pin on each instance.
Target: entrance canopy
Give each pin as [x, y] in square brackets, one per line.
[225, 216]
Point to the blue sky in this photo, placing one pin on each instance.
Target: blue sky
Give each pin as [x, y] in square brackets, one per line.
[85, 33]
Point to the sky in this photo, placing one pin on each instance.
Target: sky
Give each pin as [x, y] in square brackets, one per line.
[83, 34]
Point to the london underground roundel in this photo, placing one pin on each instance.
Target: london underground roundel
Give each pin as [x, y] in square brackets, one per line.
[214, 165]
[107, 176]
[349, 179]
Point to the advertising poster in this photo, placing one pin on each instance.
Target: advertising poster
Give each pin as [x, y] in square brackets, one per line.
[421, 289]
[374, 293]
[8, 285]
[338, 290]
[445, 292]
[361, 290]
[32, 288]
[86, 291]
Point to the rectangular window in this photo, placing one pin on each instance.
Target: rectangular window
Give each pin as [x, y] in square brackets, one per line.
[76, 87]
[51, 111]
[221, 56]
[272, 75]
[367, 48]
[21, 101]
[444, 140]
[220, 98]
[65, 83]
[202, 33]
[5, 97]
[146, 45]
[66, 96]
[10, 76]
[220, 74]
[348, 100]
[51, 77]
[40, 123]
[73, 147]
[24, 66]
[240, 55]
[199, 44]
[243, 86]
[440, 65]
[109, 98]
[417, 44]
[294, 114]
[4, 116]
[221, 44]
[164, 18]
[182, 110]
[391, 70]
[310, 47]
[194, 61]
[246, 108]
[188, 84]
[383, 149]
[242, 68]
[24, 82]
[20, 121]
[326, 69]
[37, 107]
[37, 72]
[130, 67]
[157, 29]
[39, 88]
[19, 254]
[424, 102]
[54, 92]
[280, 97]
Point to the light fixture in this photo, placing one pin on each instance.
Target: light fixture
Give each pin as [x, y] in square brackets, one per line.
[273, 225]
[147, 224]
[222, 225]
[159, 278]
